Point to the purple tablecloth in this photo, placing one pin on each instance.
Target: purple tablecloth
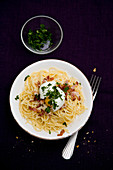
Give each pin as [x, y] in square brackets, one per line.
[87, 44]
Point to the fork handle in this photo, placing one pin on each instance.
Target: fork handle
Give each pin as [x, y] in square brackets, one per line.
[68, 149]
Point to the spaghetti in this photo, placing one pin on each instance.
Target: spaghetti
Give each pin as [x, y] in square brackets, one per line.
[39, 113]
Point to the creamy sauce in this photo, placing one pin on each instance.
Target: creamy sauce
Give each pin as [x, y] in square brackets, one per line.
[48, 87]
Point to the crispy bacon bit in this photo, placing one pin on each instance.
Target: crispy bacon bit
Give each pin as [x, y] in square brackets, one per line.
[38, 105]
[47, 79]
[79, 98]
[64, 105]
[65, 96]
[43, 81]
[73, 87]
[61, 86]
[61, 132]
[31, 100]
[41, 102]
[38, 110]
[38, 84]
[70, 90]
[75, 94]
[73, 98]
[42, 112]
[51, 78]
[30, 108]
[35, 99]
[34, 109]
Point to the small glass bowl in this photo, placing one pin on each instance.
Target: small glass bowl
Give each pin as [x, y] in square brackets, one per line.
[51, 24]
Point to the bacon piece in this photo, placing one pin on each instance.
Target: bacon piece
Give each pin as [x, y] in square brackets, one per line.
[51, 78]
[35, 99]
[42, 112]
[41, 102]
[30, 108]
[63, 106]
[38, 84]
[61, 132]
[48, 78]
[76, 83]
[43, 81]
[38, 105]
[73, 87]
[38, 110]
[65, 96]
[34, 109]
[75, 94]
[61, 86]
[79, 98]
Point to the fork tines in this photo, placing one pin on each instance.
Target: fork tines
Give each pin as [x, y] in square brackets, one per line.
[95, 82]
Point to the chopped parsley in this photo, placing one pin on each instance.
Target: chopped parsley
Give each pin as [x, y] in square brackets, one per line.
[37, 96]
[43, 88]
[65, 124]
[50, 102]
[80, 83]
[17, 97]
[47, 109]
[51, 95]
[57, 83]
[54, 105]
[26, 77]
[49, 84]
[49, 132]
[38, 38]
[66, 89]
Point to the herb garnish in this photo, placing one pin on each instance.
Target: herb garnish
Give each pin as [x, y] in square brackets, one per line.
[43, 88]
[49, 132]
[52, 95]
[65, 124]
[37, 38]
[17, 97]
[26, 77]
[80, 83]
[47, 109]
[50, 102]
[49, 84]
[57, 83]
[54, 105]
[37, 96]
[66, 89]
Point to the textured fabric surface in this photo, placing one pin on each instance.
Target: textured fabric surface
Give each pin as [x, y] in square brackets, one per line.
[87, 43]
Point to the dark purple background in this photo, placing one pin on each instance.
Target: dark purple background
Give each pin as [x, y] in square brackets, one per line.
[87, 44]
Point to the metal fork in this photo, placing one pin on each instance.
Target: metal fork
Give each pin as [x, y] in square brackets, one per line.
[68, 149]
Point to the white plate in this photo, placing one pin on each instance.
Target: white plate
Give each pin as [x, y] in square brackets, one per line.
[18, 86]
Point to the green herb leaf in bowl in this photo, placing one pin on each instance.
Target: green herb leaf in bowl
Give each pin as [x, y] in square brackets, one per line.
[40, 39]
